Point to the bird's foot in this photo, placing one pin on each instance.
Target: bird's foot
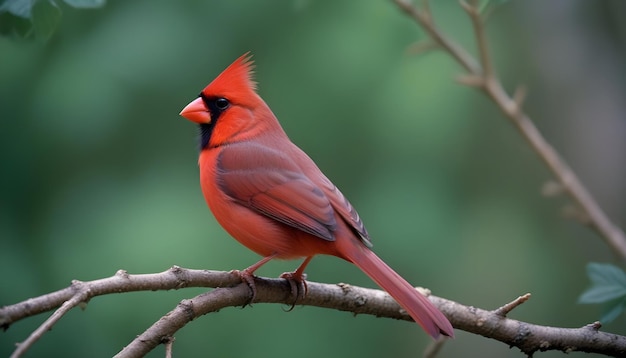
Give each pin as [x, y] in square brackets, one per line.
[247, 277]
[297, 282]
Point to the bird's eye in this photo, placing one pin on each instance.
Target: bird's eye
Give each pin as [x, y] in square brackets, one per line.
[221, 103]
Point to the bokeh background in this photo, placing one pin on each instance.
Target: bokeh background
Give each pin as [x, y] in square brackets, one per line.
[99, 172]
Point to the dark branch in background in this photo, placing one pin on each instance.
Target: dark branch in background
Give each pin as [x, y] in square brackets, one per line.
[231, 293]
[483, 77]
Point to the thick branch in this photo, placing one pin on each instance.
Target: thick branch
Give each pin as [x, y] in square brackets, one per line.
[493, 324]
[483, 76]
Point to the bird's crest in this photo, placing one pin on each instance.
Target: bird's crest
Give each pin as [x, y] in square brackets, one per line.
[236, 81]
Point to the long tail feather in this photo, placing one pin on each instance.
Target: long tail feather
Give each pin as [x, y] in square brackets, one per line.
[418, 306]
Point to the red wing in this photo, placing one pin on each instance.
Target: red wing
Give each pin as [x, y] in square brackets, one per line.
[269, 182]
[347, 212]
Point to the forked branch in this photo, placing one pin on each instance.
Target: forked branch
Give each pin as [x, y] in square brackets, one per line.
[481, 74]
[231, 293]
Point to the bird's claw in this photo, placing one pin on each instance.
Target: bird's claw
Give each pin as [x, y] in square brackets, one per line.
[248, 278]
[297, 283]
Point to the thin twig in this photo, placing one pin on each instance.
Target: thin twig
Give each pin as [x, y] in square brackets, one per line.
[473, 11]
[424, 18]
[434, 348]
[483, 76]
[81, 296]
[169, 346]
[421, 47]
[504, 310]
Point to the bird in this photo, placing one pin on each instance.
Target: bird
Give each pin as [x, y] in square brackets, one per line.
[271, 196]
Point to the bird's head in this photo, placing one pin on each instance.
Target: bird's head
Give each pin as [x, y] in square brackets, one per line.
[228, 105]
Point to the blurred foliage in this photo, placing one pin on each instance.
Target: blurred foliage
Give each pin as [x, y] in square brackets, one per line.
[99, 171]
[38, 18]
[609, 287]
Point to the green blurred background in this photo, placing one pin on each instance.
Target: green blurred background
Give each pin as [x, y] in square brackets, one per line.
[99, 172]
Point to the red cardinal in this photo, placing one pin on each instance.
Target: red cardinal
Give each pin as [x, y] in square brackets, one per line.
[270, 196]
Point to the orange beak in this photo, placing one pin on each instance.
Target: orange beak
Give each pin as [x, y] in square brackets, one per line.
[196, 111]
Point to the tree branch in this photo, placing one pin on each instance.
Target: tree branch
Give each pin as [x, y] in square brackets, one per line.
[426, 21]
[529, 338]
[483, 76]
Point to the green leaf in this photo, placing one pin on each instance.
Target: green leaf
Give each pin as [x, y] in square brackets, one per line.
[20, 8]
[85, 4]
[11, 25]
[606, 274]
[608, 283]
[46, 16]
[611, 312]
[41, 17]
[600, 294]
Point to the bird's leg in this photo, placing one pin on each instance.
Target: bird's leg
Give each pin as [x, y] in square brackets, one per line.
[247, 275]
[297, 281]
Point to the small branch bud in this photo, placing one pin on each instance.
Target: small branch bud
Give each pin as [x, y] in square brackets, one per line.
[504, 310]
